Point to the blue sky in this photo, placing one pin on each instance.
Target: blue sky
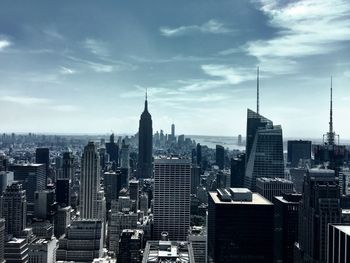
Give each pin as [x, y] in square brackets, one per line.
[83, 66]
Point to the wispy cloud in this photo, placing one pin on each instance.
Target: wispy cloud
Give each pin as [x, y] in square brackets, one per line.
[52, 33]
[65, 108]
[96, 47]
[4, 43]
[229, 74]
[304, 28]
[67, 71]
[25, 100]
[212, 27]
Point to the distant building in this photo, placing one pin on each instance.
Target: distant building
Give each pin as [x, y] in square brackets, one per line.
[319, 207]
[235, 232]
[112, 150]
[45, 204]
[112, 184]
[264, 150]
[238, 171]
[195, 178]
[338, 244]
[62, 220]
[168, 251]
[198, 238]
[172, 182]
[296, 175]
[199, 155]
[42, 155]
[270, 187]
[145, 168]
[220, 156]
[298, 150]
[82, 242]
[6, 179]
[130, 245]
[134, 193]
[286, 226]
[2, 240]
[63, 192]
[14, 209]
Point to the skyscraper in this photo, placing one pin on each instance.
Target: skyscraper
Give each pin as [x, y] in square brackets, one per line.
[298, 150]
[145, 167]
[270, 187]
[2, 240]
[14, 209]
[338, 248]
[112, 150]
[264, 150]
[172, 181]
[238, 170]
[42, 155]
[320, 205]
[68, 165]
[235, 232]
[220, 156]
[90, 184]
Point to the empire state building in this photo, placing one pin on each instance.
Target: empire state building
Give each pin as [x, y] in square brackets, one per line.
[145, 167]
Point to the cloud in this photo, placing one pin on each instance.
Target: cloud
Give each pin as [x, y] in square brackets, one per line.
[25, 100]
[229, 74]
[67, 71]
[96, 47]
[212, 27]
[52, 33]
[4, 43]
[304, 28]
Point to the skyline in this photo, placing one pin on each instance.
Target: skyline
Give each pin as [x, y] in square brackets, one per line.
[83, 67]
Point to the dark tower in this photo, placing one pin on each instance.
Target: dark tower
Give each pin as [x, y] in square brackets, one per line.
[145, 144]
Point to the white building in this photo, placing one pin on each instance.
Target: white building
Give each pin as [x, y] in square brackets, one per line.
[43, 251]
[172, 183]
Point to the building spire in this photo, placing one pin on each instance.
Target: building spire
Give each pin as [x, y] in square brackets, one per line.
[257, 90]
[331, 133]
[146, 103]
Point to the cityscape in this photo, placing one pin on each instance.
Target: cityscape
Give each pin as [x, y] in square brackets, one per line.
[171, 172]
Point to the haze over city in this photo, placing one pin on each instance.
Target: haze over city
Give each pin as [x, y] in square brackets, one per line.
[83, 66]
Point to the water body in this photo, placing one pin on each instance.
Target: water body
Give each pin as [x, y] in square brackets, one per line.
[212, 141]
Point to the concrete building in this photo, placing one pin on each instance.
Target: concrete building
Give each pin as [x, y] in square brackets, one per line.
[338, 243]
[16, 250]
[90, 189]
[198, 238]
[172, 188]
[82, 242]
[6, 179]
[62, 220]
[14, 208]
[45, 204]
[112, 184]
[43, 251]
[270, 187]
[168, 251]
[235, 232]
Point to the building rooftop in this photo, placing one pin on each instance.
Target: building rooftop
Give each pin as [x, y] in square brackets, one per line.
[168, 251]
[343, 228]
[273, 180]
[229, 199]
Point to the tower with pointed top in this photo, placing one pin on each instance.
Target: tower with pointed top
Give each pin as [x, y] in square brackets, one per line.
[145, 168]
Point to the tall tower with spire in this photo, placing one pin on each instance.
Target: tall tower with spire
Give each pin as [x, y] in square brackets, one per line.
[145, 167]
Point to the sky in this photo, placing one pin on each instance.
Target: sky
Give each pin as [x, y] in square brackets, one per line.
[83, 66]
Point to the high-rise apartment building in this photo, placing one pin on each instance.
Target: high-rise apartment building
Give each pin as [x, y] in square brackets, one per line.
[145, 168]
[14, 209]
[235, 232]
[172, 182]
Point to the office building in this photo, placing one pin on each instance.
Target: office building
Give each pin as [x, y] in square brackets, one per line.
[112, 185]
[199, 155]
[45, 205]
[144, 167]
[235, 232]
[220, 156]
[82, 242]
[296, 175]
[286, 226]
[338, 245]
[6, 179]
[42, 229]
[90, 190]
[264, 150]
[32, 177]
[67, 166]
[63, 192]
[168, 251]
[62, 220]
[270, 187]
[195, 178]
[198, 238]
[42, 156]
[130, 245]
[2, 240]
[319, 207]
[16, 251]
[125, 163]
[43, 251]
[112, 150]
[171, 210]
[14, 209]
[238, 171]
[298, 151]
[134, 193]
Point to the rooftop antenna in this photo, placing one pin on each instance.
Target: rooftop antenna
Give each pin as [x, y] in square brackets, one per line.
[146, 93]
[331, 133]
[257, 91]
